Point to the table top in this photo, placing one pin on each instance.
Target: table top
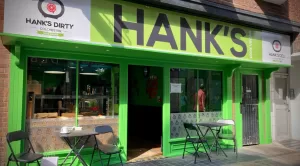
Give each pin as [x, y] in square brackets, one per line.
[211, 124]
[78, 133]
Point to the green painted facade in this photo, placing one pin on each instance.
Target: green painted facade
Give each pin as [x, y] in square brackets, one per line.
[160, 55]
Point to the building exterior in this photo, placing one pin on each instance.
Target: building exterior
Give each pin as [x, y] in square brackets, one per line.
[87, 63]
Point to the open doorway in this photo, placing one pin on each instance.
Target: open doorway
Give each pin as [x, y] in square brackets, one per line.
[145, 90]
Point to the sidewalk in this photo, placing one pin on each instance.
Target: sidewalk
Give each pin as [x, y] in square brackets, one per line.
[269, 155]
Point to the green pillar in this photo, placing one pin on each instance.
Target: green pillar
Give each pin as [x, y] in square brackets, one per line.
[123, 111]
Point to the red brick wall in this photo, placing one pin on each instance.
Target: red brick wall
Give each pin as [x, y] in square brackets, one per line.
[4, 87]
[296, 44]
[288, 10]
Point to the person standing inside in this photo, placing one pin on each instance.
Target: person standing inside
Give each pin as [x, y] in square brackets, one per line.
[200, 99]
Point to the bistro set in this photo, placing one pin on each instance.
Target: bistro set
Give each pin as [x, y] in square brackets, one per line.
[200, 138]
[82, 138]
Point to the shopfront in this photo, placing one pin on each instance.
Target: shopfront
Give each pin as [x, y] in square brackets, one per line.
[137, 69]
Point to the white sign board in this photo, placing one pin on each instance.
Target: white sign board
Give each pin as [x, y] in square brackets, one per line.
[175, 88]
[276, 48]
[64, 19]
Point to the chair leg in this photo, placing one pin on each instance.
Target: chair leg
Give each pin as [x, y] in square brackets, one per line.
[120, 158]
[99, 153]
[184, 150]
[109, 159]
[37, 163]
[206, 152]
[235, 148]
[92, 156]
[8, 163]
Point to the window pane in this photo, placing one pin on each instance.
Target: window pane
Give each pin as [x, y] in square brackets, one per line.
[183, 103]
[210, 90]
[98, 95]
[194, 91]
[51, 87]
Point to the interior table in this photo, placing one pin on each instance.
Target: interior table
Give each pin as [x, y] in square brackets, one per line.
[79, 135]
[210, 126]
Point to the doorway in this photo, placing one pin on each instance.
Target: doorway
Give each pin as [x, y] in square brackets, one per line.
[145, 91]
[249, 109]
[281, 107]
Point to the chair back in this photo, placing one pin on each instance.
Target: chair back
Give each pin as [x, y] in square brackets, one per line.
[103, 129]
[191, 127]
[16, 136]
[230, 122]
[226, 121]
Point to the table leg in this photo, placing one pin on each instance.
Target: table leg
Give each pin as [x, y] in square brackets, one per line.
[70, 145]
[217, 142]
[77, 152]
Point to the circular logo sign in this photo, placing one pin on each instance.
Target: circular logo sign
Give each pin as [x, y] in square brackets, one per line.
[51, 8]
[276, 46]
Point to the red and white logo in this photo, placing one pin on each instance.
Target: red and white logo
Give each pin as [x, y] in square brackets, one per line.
[276, 46]
[51, 8]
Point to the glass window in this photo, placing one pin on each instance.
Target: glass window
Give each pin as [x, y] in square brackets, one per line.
[196, 95]
[51, 88]
[51, 99]
[98, 95]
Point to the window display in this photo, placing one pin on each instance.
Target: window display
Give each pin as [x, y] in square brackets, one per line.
[52, 86]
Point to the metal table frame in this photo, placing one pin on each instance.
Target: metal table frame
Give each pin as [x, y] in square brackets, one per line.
[210, 126]
[80, 135]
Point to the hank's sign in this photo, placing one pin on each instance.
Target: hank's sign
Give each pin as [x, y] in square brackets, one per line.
[116, 22]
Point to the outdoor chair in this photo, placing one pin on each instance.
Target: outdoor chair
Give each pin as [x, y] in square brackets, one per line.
[25, 157]
[196, 141]
[229, 136]
[107, 149]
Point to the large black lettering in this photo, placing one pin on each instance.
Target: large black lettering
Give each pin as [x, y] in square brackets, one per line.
[119, 25]
[162, 20]
[28, 20]
[186, 29]
[210, 38]
[237, 41]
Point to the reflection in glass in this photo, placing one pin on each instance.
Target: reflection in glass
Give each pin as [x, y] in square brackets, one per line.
[98, 89]
[196, 95]
[51, 87]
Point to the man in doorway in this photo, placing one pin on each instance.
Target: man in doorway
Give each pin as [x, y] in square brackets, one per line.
[200, 99]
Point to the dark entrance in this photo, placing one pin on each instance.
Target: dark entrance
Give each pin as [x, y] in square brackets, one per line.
[249, 109]
[145, 91]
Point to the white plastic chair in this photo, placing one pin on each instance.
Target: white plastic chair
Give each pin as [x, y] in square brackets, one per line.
[229, 136]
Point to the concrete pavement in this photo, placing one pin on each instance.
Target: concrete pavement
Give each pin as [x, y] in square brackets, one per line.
[276, 154]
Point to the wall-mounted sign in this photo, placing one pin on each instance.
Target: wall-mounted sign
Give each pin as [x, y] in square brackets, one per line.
[116, 22]
[175, 88]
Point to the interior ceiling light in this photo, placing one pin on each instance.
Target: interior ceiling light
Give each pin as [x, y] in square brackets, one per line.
[91, 74]
[54, 72]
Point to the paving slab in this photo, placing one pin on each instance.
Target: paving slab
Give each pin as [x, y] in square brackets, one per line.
[265, 155]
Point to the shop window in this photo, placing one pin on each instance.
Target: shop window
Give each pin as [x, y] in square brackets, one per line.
[98, 95]
[195, 95]
[51, 98]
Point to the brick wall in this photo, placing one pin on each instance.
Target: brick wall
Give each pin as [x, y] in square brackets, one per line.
[4, 87]
[288, 10]
[296, 44]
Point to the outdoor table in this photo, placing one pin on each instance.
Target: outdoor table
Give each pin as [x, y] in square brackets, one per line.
[210, 126]
[79, 134]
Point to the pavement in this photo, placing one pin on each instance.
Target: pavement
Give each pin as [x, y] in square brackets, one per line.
[285, 153]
